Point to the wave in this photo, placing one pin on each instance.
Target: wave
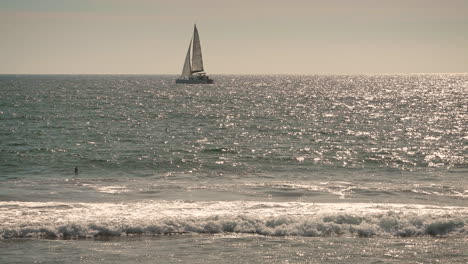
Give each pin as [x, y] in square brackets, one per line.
[87, 220]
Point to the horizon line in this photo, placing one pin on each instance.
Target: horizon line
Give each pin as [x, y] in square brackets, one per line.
[247, 74]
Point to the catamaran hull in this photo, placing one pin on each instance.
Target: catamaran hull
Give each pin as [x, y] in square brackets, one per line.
[194, 81]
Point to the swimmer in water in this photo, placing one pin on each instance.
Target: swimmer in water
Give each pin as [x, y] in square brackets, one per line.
[76, 170]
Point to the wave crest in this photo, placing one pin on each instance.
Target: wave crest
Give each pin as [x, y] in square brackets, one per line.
[280, 219]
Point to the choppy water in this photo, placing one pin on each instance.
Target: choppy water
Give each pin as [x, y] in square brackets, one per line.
[331, 162]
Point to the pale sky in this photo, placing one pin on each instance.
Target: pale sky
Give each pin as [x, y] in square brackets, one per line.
[237, 36]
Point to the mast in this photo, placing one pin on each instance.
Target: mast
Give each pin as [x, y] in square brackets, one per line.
[187, 70]
[197, 61]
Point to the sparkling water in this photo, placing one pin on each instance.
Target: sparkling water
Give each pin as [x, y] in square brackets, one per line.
[251, 169]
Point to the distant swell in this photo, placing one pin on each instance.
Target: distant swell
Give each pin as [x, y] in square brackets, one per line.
[55, 220]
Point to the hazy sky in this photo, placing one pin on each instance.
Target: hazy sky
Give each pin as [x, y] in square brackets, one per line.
[237, 36]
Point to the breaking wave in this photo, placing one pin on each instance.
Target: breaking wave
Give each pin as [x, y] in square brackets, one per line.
[88, 220]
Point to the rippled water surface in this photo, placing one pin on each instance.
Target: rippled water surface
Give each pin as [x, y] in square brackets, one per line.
[249, 158]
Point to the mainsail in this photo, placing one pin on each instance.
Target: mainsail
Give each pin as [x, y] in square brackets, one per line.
[187, 70]
[197, 61]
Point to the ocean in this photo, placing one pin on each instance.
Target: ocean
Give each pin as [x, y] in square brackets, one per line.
[251, 169]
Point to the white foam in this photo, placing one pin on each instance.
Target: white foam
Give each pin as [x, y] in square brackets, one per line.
[51, 219]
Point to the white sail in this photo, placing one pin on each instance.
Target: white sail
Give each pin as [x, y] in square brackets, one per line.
[197, 61]
[187, 70]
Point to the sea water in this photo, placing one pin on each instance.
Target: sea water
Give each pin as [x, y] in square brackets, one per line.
[251, 169]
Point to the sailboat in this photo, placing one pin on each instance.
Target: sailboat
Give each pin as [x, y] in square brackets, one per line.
[194, 73]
